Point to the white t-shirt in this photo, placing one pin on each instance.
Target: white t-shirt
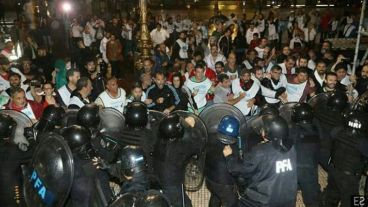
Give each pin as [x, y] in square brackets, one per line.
[106, 100]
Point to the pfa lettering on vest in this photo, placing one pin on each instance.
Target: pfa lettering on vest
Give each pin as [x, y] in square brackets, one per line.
[283, 166]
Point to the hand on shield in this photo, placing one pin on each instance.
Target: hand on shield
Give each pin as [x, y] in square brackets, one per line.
[100, 163]
[190, 121]
[227, 151]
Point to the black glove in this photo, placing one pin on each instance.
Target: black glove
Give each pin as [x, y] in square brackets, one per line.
[28, 133]
[280, 91]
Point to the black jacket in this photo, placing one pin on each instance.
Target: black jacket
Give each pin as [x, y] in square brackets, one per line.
[271, 174]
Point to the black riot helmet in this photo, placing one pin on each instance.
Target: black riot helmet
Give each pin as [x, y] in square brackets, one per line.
[277, 131]
[78, 138]
[356, 121]
[268, 109]
[7, 126]
[88, 116]
[337, 101]
[302, 113]
[171, 128]
[132, 160]
[152, 198]
[51, 117]
[136, 115]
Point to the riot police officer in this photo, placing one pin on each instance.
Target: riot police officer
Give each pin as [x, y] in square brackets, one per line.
[83, 192]
[305, 136]
[50, 120]
[350, 150]
[218, 180]
[11, 159]
[269, 167]
[88, 116]
[177, 143]
[136, 133]
[328, 116]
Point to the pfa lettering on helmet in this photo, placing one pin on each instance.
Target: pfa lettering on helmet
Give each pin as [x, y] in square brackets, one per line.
[37, 184]
[283, 166]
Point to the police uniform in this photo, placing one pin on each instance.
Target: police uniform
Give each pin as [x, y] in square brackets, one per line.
[350, 150]
[169, 165]
[11, 159]
[306, 140]
[271, 176]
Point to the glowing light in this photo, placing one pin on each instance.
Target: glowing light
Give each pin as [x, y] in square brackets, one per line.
[67, 7]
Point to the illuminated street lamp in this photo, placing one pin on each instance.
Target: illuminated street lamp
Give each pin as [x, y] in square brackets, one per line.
[66, 8]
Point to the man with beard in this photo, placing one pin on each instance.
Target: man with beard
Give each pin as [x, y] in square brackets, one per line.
[277, 83]
[299, 86]
[162, 97]
[245, 84]
[14, 81]
[11, 158]
[64, 93]
[214, 57]
[5, 69]
[319, 75]
[362, 83]
[80, 95]
[288, 66]
[96, 79]
[330, 84]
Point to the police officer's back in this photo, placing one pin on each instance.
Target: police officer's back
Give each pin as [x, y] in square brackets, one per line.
[305, 136]
[176, 144]
[349, 153]
[270, 168]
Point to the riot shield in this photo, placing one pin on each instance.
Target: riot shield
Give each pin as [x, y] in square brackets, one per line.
[70, 118]
[286, 110]
[213, 114]
[112, 120]
[50, 176]
[23, 122]
[318, 100]
[124, 200]
[195, 167]
[361, 104]
[154, 118]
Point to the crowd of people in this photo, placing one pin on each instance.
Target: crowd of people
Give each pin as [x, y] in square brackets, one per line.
[249, 63]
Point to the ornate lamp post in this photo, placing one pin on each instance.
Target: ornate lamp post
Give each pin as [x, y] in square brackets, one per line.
[144, 42]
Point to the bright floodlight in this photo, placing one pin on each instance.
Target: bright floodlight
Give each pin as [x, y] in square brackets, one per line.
[66, 7]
